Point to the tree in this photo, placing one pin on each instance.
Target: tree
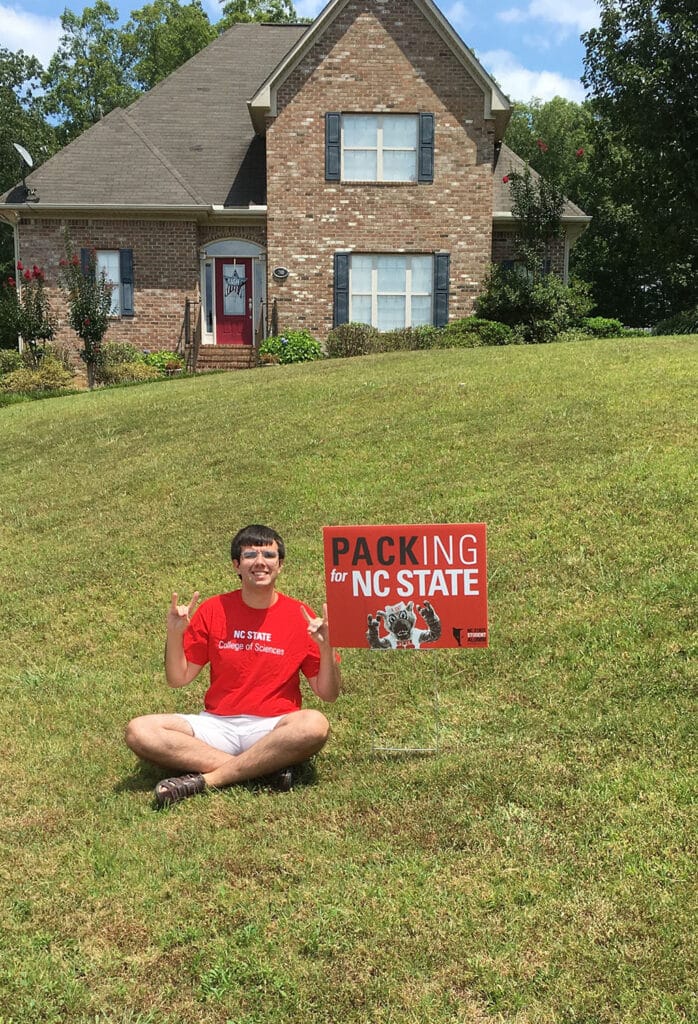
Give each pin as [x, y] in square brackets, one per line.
[89, 295]
[235, 11]
[566, 128]
[641, 67]
[88, 76]
[21, 120]
[161, 36]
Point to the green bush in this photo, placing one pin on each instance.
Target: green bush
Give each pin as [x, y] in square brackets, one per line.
[573, 334]
[165, 361]
[538, 307]
[113, 352]
[48, 376]
[290, 347]
[426, 337]
[10, 360]
[352, 339]
[602, 326]
[407, 339]
[471, 331]
[685, 322]
[127, 373]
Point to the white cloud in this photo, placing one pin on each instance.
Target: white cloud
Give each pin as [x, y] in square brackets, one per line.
[576, 15]
[519, 83]
[22, 30]
[458, 14]
[308, 8]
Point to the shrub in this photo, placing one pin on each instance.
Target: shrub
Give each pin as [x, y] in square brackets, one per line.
[398, 340]
[573, 334]
[48, 376]
[602, 326]
[352, 339]
[472, 330]
[120, 352]
[127, 373]
[426, 337]
[165, 361]
[290, 347]
[10, 360]
[685, 322]
[539, 307]
[26, 313]
[407, 339]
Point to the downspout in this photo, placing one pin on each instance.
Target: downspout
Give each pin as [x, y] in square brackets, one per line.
[13, 219]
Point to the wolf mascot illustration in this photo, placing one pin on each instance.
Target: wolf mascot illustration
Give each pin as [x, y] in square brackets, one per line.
[400, 622]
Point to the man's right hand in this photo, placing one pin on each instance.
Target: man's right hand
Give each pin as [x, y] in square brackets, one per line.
[179, 615]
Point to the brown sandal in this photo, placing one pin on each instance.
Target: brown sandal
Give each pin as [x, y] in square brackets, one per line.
[171, 791]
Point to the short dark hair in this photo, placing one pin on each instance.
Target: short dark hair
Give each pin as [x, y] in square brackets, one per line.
[255, 536]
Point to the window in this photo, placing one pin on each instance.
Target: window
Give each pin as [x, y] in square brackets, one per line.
[117, 266]
[391, 290]
[379, 147]
[108, 264]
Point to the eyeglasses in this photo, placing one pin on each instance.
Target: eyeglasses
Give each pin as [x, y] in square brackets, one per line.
[251, 556]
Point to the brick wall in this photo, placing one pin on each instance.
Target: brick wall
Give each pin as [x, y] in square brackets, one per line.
[503, 249]
[376, 57]
[165, 268]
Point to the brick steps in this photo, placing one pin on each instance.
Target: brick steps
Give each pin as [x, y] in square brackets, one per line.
[226, 357]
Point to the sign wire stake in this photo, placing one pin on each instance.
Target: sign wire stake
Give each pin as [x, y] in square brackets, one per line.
[435, 749]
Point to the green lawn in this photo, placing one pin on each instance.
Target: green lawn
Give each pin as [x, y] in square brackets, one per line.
[539, 870]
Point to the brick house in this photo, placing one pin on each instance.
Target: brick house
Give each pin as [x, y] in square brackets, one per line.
[290, 175]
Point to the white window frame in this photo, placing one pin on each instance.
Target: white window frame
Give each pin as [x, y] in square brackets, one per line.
[380, 148]
[407, 292]
[115, 309]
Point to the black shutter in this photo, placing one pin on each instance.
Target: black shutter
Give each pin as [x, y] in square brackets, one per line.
[333, 143]
[86, 265]
[442, 262]
[126, 275]
[426, 147]
[341, 289]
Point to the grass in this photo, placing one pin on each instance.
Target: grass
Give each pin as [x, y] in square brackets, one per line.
[538, 871]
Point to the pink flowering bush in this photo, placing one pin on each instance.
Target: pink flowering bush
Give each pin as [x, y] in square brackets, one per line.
[25, 312]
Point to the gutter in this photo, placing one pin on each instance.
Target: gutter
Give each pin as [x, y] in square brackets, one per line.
[11, 213]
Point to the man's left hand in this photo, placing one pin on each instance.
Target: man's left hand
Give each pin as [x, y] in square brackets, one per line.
[318, 628]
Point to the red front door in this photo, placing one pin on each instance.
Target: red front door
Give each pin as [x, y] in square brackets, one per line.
[233, 301]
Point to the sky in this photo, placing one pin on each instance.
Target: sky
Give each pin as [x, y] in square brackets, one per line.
[531, 47]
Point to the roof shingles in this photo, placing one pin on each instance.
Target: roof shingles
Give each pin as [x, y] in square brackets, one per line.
[188, 142]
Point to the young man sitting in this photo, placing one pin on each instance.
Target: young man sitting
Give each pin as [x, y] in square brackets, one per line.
[256, 641]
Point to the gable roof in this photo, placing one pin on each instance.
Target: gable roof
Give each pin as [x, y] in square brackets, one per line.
[175, 158]
[509, 161]
[496, 104]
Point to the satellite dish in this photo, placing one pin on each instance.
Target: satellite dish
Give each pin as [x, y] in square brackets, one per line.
[30, 195]
[24, 154]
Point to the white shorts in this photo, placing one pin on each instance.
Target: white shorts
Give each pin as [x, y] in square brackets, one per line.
[232, 735]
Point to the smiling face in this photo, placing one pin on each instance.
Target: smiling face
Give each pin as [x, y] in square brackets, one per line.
[258, 568]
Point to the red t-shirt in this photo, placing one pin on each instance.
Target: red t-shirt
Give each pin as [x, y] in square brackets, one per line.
[255, 654]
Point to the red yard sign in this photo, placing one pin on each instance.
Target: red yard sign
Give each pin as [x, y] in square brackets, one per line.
[406, 587]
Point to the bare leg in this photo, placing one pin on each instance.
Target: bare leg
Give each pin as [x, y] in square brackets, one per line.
[169, 741]
[296, 737]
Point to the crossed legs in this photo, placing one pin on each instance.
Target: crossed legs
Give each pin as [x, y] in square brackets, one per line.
[169, 741]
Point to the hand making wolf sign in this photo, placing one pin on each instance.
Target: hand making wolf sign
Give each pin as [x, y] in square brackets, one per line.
[318, 627]
[179, 615]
